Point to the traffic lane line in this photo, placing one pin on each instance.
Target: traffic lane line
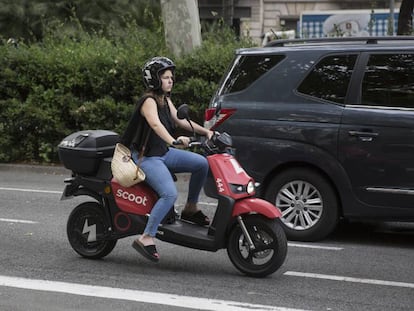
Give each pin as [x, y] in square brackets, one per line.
[303, 274]
[315, 246]
[171, 299]
[332, 248]
[348, 279]
[30, 190]
[201, 203]
[135, 295]
[290, 273]
[322, 247]
[18, 221]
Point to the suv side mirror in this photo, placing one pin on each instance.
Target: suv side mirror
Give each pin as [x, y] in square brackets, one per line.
[218, 108]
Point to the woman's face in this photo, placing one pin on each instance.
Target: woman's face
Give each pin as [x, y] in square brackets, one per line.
[167, 80]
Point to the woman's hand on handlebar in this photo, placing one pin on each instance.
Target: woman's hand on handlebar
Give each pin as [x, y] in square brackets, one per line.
[182, 141]
[210, 134]
[187, 142]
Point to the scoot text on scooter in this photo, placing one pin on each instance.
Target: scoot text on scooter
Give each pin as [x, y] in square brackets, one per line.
[132, 197]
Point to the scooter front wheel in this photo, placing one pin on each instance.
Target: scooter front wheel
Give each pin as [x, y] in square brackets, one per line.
[86, 228]
[270, 246]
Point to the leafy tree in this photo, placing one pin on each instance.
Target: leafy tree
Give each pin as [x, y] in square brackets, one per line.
[28, 20]
[22, 18]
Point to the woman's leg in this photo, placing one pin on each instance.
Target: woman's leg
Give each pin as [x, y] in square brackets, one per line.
[159, 178]
[181, 161]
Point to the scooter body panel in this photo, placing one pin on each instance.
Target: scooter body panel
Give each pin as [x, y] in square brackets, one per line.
[138, 199]
[228, 174]
[257, 206]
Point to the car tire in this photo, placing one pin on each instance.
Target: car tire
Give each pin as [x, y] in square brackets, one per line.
[308, 203]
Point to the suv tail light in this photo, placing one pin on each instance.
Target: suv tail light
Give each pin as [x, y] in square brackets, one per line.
[212, 121]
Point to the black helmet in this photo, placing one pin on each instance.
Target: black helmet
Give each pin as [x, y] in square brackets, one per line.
[152, 69]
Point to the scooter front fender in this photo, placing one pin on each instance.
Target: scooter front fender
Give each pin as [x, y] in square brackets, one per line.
[256, 206]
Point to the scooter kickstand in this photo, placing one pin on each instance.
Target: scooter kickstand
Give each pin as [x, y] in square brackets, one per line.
[245, 232]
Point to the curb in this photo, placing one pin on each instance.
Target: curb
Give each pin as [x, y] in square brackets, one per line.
[47, 169]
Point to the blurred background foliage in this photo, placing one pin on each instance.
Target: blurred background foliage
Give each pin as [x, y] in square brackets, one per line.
[67, 66]
[29, 19]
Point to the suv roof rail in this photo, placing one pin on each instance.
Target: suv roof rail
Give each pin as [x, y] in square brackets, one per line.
[367, 40]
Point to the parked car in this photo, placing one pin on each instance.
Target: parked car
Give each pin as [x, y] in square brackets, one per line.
[326, 126]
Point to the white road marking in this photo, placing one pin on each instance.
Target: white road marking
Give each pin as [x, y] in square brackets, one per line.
[48, 285]
[31, 190]
[18, 221]
[201, 203]
[348, 279]
[60, 192]
[208, 203]
[332, 248]
[135, 295]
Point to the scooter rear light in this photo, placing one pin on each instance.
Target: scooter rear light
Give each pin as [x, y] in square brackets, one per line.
[212, 121]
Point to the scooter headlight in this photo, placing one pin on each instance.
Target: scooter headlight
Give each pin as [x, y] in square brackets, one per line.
[250, 187]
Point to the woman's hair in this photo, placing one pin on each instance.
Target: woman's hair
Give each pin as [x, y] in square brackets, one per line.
[157, 94]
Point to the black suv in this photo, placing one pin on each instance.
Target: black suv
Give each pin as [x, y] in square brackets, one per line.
[326, 126]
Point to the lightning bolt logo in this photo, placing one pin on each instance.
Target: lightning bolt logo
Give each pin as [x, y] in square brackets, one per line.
[147, 75]
[91, 230]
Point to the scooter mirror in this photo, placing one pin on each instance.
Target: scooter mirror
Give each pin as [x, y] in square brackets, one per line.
[182, 112]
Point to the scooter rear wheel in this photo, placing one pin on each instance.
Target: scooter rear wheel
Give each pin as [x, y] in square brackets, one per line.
[86, 228]
[270, 244]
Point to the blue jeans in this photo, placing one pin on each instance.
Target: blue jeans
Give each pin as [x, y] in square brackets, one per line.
[158, 177]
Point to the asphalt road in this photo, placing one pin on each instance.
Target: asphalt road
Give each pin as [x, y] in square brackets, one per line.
[359, 267]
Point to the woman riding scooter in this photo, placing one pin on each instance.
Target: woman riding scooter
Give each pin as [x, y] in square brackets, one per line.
[150, 135]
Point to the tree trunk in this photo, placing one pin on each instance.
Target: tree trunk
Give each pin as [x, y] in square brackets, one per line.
[182, 25]
[405, 22]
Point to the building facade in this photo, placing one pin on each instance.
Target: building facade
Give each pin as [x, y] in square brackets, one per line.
[261, 18]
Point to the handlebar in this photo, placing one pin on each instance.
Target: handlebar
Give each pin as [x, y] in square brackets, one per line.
[193, 141]
[219, 143]
[196, 141]
[194, 144]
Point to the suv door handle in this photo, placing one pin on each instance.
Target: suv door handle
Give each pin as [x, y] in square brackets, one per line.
[363, 136]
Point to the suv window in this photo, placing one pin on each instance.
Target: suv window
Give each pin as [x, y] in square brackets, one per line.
[389, 81]
[248, 69]
[330, 78]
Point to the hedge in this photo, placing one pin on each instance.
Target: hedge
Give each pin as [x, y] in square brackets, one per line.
[69, 83]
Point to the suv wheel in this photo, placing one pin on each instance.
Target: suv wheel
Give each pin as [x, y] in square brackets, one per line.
[307, 201]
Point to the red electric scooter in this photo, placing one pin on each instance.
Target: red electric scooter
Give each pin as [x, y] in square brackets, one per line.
[246, 226]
